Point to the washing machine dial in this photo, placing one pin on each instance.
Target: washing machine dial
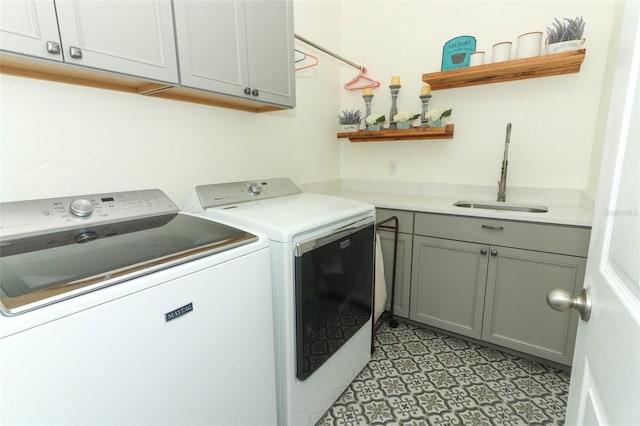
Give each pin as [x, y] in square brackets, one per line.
[255, 188]
[81, 207]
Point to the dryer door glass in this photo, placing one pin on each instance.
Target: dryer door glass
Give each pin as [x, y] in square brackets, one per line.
[334, 282]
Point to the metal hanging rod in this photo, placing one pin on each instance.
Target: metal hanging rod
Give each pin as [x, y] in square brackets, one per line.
[328, 52]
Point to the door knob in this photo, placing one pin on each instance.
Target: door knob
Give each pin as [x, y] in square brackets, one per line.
[562, 300]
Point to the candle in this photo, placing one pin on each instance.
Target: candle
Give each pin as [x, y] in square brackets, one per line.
[426, 90]
[368, 91]
[395, 80]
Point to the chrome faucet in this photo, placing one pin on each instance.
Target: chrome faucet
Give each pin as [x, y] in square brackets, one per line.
[502, 183]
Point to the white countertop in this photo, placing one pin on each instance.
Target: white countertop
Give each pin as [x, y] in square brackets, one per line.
[565, 206]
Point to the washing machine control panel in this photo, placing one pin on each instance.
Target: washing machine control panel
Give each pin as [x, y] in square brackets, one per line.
[38, 216]
[226, 194]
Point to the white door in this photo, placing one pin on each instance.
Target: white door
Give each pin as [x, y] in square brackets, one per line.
[605, 382]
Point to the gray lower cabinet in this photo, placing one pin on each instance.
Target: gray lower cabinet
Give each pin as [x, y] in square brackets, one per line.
[448, 284]
[403, 259]
[488, 279]
[516, 314]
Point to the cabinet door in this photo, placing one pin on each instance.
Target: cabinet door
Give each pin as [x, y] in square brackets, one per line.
[403, 271]
[212, 40]
[132, 37]
[517, 315]
[403, 262]
[448, 283]
[270, 50]
[27, 26]
[236, 47]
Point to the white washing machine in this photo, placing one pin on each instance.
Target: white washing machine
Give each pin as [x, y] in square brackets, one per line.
[117, 309]
[322, 275]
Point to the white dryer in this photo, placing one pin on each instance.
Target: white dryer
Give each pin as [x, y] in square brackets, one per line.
[322, 275]
[118, 309]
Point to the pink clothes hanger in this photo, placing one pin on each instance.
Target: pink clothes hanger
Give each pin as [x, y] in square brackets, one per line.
[361, 81]
[310, 56]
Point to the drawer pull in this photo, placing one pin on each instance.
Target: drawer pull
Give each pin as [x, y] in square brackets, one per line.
[494, 252]
[483, 252]
[495, 228]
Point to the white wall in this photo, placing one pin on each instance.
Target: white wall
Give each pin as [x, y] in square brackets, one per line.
[58, 139]
[553, 118]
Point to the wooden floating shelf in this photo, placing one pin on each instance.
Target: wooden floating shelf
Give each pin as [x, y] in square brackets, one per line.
[415, 133]
[518, 69]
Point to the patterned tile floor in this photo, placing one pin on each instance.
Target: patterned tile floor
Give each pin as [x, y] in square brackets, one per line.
[419, 377]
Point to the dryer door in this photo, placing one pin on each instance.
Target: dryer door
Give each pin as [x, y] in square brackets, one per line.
[334, 286]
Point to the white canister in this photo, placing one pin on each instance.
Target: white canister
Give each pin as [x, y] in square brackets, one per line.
[501, 51]
[529, 44]
[477, 58]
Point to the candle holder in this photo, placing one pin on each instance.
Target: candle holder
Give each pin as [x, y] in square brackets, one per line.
[395, 88]
[367, 102]
[424, 121]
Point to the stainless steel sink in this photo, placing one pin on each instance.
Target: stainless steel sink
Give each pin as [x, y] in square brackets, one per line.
[495, 205]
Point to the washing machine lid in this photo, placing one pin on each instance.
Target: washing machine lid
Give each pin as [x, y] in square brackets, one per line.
[44, 267]
[279, 209]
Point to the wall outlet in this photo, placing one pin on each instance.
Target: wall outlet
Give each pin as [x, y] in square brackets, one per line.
[393, 167]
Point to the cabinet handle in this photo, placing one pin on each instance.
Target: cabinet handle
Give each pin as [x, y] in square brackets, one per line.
[255, 92]
[495, 228]
[53, 47]
[247, 90]
[494, 252]
[483, 252]
[75, 52]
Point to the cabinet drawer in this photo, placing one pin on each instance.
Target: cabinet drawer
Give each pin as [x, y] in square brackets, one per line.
[551, 238]
[405, 219]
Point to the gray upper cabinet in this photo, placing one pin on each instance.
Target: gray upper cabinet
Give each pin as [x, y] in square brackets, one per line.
[237, 47]
[30, 28]
[133, 37]
[129, 37]
[227, 53]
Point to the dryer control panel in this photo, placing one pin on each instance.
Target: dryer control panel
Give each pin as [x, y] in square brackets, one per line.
[38, 216]
[224, 194]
